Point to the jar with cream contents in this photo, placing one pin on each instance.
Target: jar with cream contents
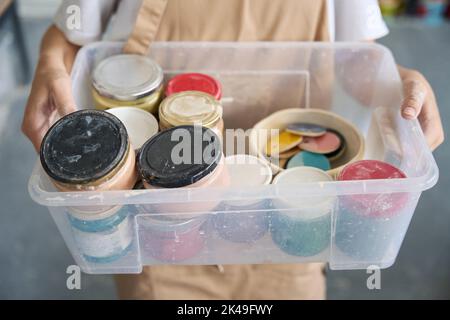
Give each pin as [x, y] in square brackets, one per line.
[128, 80]
[183, 157]
[191, 108]
[89, 150]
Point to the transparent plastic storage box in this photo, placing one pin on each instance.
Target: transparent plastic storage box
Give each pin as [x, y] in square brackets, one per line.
[357, 81]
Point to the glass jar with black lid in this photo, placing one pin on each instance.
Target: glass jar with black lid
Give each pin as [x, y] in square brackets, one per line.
[88, 150]
[183, 157]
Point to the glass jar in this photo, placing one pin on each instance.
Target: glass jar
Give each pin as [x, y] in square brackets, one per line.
[176, 231]
[194, 82]
[88, 150]
[172, 241]
[301, 226]
[161, 167]
[104, 236]
[127, 80]
[367, 224]
[248, 220]
[191, 108]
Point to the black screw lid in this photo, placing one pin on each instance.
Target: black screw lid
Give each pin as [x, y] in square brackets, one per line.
[83, 146]
[179, 156]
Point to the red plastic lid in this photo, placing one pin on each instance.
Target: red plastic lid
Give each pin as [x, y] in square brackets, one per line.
[194, 82]
[370, 169]
[373, 205]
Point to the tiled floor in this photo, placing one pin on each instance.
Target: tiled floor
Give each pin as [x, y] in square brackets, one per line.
[34, 258]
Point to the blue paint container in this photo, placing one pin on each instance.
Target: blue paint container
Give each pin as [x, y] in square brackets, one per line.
[102, 237]
[367, 238]
[300, 237]
[244, 221]
[302, 226]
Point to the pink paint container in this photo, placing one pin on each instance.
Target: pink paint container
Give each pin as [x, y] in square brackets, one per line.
[172, 240]
[373, 205]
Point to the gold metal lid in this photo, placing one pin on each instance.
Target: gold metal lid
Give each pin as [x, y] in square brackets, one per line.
[190, 107]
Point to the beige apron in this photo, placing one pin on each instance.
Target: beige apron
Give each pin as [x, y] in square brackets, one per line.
[226, 20]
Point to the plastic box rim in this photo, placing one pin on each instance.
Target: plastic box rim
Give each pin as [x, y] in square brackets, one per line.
[334, 188]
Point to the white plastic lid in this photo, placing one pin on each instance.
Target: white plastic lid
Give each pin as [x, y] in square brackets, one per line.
[304, 207]
[247, 171]
[141, 125]
[127, 77]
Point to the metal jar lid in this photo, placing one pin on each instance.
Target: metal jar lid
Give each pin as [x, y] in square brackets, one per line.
[127, 77]
[83, 147]
[161, 162]
[190, 108]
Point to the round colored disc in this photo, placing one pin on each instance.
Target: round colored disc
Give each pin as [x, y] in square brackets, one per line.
[281, 143]
[309, 159]
[327, 143]
[306, 129]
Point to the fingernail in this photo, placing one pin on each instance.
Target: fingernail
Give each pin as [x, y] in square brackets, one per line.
[409, 112]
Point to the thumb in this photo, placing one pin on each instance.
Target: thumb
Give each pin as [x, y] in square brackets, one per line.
[63, 100]
[415, 95]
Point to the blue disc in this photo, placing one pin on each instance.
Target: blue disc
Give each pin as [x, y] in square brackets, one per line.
[309, 159]
[306, 129]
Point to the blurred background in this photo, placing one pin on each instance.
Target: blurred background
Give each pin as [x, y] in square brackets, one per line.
[34, 258]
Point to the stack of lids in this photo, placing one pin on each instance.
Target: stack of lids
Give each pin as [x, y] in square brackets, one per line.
[305, 144]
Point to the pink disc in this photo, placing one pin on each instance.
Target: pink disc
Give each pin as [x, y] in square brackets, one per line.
[327, 143]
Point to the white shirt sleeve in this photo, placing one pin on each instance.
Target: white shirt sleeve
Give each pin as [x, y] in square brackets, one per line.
[84, 21]
[358, 20]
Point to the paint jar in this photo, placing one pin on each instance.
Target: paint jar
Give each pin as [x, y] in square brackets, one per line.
[128, 80]
[367, 224]
[244, 220]
[191, 108]
[89, 150]
[182, 157]
[194, 82]
[384, 205]
[102, 237]
[301, 226]
[140, 124]
[172, 240]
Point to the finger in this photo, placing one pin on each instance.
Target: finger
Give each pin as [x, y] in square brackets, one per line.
[62, 96]
[415, 95]
[431, 124]
[35, 116]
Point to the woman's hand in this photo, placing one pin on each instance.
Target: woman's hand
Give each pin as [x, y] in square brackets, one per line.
[51, 92]
[420, 102]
